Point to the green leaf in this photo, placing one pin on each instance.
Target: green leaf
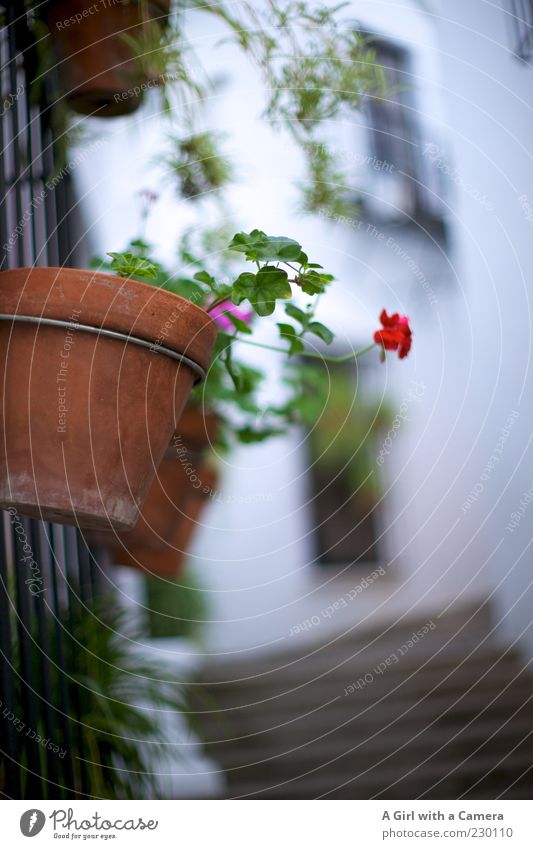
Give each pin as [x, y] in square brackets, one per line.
[262, 289]
[243, 288]
[250, 434]
[322, 331]
[129, 265]
[205, 277]
[297, 314]
[287, 331]
[140, 246]
[296, 346]
[258, 246]
[275, 280]
[250, 379]
[264, 307]
[271, 283]
[313, 283]
[238, 323]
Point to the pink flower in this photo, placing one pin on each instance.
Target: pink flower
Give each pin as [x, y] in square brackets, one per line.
[220, 314]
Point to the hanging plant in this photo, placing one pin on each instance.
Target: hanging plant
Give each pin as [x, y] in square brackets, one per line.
[314, 63]
[97, 371]
[186, 480]
[123, 402]
[91, 48]
[197, 165]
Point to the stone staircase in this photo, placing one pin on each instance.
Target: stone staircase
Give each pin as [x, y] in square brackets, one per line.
[376, 715]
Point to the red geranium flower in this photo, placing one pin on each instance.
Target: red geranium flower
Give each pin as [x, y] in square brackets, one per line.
[395, 335]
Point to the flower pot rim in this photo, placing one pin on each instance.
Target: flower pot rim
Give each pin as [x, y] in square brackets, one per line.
[58, 269]
[134, 324]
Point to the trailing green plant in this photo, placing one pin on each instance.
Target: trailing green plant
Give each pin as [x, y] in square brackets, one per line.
[197, 165]
[314, 64]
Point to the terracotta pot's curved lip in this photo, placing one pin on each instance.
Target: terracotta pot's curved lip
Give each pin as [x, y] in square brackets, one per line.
[56, 270]
[116, 303]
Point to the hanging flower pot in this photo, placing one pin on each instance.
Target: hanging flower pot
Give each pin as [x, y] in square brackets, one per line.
[167, 559]
[197, 430]
[183, 485]
[97, 371]
[95, 52]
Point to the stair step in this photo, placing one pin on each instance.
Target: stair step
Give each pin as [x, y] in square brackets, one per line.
[223, 730]
[379, 700]
[360, 717]
[482, 774]
[419, 672]
[411, 741]
[468, 625]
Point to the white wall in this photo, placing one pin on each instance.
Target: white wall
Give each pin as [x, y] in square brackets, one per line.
[489, 95]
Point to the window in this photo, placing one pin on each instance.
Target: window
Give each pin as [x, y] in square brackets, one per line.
[406, 185]
[520, 17]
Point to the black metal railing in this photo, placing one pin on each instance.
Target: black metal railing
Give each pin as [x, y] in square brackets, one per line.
[46, 571]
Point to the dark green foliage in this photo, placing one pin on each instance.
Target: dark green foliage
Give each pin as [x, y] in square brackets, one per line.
[112, 729]
[175, 608]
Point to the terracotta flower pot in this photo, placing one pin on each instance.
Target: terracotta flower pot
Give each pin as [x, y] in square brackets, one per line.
[179, 476]
[97, 67]
[87, 415]
[176, 478]
[162, 509]
[167, 560]
[183, 485]
[196, 429]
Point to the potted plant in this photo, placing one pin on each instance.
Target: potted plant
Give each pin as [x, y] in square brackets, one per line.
[184, 482]
[282, 273]
[97, 51]
[97, 370]
[105, 363]
[159, 547]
